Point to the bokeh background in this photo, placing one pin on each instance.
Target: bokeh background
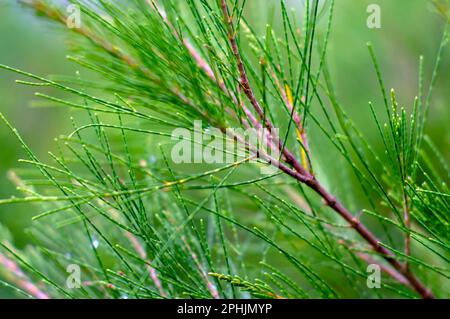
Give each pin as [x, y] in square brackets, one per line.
[410, 28]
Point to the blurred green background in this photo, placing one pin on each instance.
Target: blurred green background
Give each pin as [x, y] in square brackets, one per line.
[29, 44]
[410, 28]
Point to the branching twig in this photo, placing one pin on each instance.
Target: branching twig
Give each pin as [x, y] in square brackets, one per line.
[245, 84]
[292, 165]
[20, 279]
[141, 251]
[311, 181]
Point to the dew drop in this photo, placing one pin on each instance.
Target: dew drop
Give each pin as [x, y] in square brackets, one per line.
[152, 159]
[95, 242]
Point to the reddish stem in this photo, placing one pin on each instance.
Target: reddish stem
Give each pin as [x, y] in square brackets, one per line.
[310, 180]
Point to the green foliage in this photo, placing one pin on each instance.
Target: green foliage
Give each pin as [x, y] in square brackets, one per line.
[113, 202]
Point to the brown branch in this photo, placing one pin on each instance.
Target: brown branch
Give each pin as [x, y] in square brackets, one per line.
[205, 67]
[311, 181]
[385, 268]
[369, 237]
[245, 84]
[299, 173]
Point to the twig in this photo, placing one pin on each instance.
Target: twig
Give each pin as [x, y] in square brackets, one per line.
[299, 172]
[370, 260]
[385, 268]
[407, 219]
[311, 181]
[212, 289]
[141, 251]
[245, 84]
[55, 15]
[20, 279]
